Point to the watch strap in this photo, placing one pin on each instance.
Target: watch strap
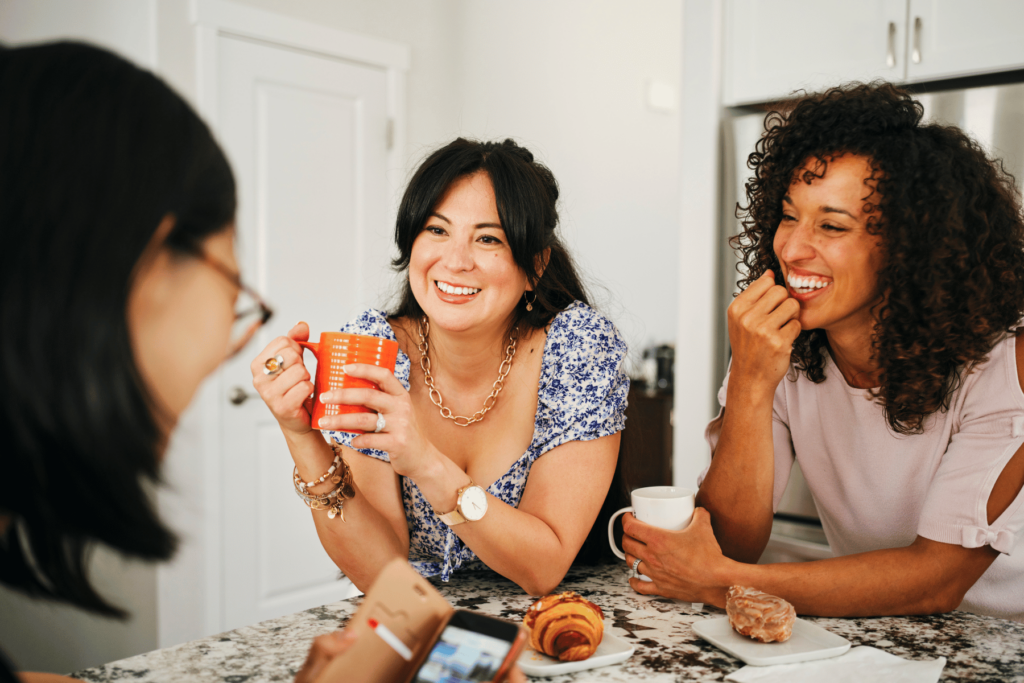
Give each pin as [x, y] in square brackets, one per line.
[452, 518]
[455, 516]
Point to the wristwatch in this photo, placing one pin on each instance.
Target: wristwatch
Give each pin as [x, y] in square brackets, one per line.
[470, 507]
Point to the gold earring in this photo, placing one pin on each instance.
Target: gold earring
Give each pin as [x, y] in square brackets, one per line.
[529, 304]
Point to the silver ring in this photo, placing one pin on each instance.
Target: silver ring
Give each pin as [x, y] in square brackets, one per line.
[273, 366]
[380, 423]
[636, 563]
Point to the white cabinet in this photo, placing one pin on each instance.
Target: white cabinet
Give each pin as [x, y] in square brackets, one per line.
[776, 47]
[949, 38]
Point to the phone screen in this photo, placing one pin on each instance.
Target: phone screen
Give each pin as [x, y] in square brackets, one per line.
[468, 649]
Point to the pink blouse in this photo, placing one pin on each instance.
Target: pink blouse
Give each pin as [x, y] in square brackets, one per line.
[877, 489]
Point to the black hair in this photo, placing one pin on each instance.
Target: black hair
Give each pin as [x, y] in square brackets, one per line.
[526, 194]
[949, 220]
[94, 153]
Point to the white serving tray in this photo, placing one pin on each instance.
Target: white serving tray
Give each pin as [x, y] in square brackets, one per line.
[612, 650]
[807, 642]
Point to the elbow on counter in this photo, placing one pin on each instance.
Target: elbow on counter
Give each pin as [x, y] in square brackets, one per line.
[935, 600]
[541, 583]
[947, 600]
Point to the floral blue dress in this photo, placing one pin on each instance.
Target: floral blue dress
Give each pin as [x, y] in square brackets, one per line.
[581, 396]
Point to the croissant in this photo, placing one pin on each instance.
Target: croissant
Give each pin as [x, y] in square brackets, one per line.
[758, 615]
[566, 626]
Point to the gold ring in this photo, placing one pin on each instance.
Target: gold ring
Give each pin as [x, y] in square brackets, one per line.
[273, 365]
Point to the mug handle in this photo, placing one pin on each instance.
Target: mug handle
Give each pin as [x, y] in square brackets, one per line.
[312, 346]
[611, 526]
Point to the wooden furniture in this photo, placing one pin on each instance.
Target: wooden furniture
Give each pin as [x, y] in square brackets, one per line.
[646, 449]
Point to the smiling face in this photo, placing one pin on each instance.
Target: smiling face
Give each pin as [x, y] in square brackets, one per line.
[828, 258]
[461, 270]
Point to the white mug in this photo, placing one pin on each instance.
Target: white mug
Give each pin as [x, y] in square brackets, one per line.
[667, 507]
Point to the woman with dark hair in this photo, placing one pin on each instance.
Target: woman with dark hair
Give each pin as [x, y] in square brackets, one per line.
[502, 361]
[118, 287]
[876, 343]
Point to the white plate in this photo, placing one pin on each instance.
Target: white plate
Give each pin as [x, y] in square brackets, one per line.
[807, 642]
[612, 650]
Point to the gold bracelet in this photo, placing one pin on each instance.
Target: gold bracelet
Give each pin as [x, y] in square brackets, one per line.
[333, 501]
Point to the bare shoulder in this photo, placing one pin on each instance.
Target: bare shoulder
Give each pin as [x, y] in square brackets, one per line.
[406, 333]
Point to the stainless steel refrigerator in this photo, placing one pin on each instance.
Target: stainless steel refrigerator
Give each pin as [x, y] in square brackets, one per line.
[992, 115]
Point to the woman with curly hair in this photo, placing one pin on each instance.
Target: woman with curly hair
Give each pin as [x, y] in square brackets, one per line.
[875, 342]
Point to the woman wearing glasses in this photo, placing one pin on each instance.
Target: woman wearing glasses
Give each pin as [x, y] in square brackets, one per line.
[496, 438]
[118, 284]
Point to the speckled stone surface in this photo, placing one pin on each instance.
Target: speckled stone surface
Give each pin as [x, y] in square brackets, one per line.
[977, 648]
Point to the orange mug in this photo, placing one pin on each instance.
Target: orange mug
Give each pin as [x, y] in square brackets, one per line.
[334, 351]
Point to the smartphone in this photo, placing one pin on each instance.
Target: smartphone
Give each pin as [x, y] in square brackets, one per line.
[472, 647]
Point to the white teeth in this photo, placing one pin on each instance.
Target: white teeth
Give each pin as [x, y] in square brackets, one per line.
[807, 283]
[458, 291]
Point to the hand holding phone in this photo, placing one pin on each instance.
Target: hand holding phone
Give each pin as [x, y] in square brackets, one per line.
[324, 649]
[472, 648]
[405, 631]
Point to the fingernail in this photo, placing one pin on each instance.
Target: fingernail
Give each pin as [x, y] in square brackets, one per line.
[323, 397]
[322, 421]
[346, 368]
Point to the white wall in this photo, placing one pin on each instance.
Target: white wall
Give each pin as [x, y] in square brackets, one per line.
[698, 252]
[127, 27]
[568, 79]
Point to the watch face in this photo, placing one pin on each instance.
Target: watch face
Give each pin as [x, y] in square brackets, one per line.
[474, 503]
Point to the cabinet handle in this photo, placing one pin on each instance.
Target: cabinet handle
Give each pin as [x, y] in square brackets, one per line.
[890, 50]
[916, 54]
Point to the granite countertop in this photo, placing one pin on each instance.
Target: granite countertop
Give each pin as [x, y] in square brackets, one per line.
[976, 648]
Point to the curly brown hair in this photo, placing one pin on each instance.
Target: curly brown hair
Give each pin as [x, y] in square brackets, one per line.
[949, 220]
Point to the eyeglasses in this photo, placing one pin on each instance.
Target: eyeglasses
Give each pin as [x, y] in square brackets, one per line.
[251, 312]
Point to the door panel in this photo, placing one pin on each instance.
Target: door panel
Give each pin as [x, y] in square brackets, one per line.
[306, 138]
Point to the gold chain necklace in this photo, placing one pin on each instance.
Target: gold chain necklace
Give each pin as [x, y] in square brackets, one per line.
[428, 379]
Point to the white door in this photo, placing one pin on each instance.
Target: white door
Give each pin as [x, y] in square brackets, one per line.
[306, 136]
[956, 38]
[774, 47]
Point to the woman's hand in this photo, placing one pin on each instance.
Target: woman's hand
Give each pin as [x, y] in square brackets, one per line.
[685, 565]
[762, 328]
[286, 393]
[324, 649]
[327, 647]
[411, 454]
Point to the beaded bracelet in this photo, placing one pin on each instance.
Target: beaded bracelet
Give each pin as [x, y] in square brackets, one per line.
[333, 501]
[328, 474]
